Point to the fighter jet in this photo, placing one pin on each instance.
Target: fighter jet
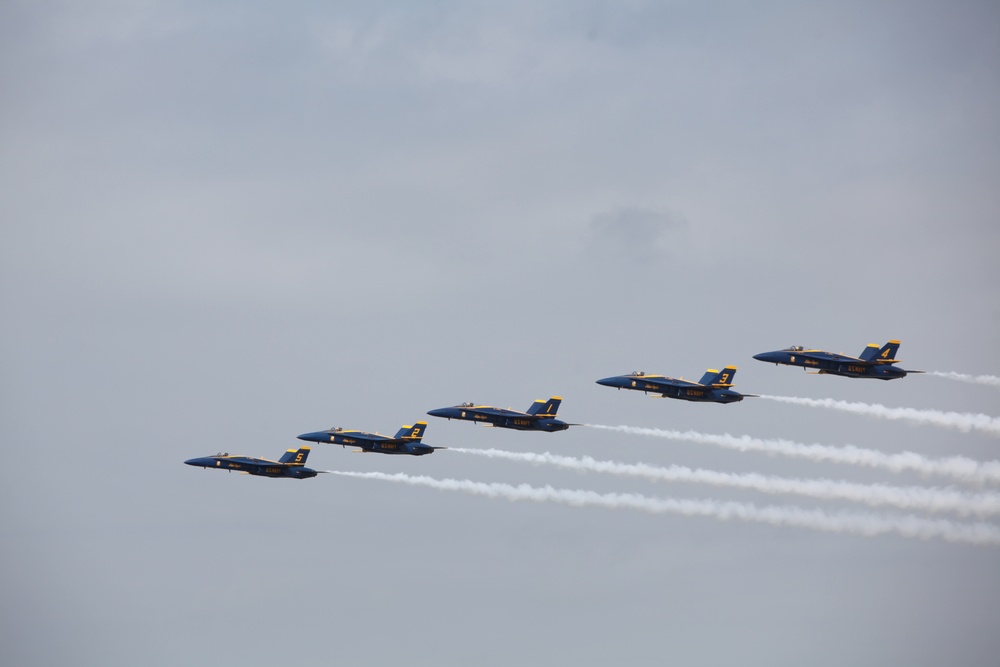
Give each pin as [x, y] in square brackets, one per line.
[714, 386]
[875, 362]
[291, 464]
[539, 417]
[406, 440]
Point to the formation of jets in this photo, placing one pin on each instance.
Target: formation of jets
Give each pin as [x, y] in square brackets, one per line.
[715, 386]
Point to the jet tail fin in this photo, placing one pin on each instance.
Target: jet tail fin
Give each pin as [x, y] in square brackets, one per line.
[545, 408]
[869, 352]
[881, 355]
[295, 456]
[723, 378]
[414, 432]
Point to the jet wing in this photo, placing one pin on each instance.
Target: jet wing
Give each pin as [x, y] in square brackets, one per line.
[499, 412]
[371, 437]
[246, 460]
[654, 383]
[843, 357]
[830, 357]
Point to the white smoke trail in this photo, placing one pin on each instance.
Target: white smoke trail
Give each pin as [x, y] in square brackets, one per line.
[963, 421]
[991, 380]
[858, 524]
[904, 497]
[957, 467]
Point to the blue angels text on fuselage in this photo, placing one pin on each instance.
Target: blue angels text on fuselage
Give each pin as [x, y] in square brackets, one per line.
[406, 440]
[714, 386]
[291, 464]
[875, 362]
[541, 416]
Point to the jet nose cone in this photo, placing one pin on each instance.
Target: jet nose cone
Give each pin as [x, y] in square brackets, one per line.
[773, 357]
[441, 412]
[614, 381]
[201, 461]
[317, 436]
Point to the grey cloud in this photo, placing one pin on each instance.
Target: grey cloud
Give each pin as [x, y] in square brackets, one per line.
[637, 233]
[224, 224]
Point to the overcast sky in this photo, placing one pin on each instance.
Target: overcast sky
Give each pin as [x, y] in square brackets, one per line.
[226, 224]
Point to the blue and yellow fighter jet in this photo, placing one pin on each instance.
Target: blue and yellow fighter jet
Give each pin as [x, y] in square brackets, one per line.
[290, 465]
[875, 362]
[714, 386]
[539, 417]
[406, 440]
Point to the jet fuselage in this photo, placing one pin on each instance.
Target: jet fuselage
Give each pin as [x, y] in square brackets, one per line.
[370, 442]
[672, 388]
[252, 466]
[501, 418]
[828, 363]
